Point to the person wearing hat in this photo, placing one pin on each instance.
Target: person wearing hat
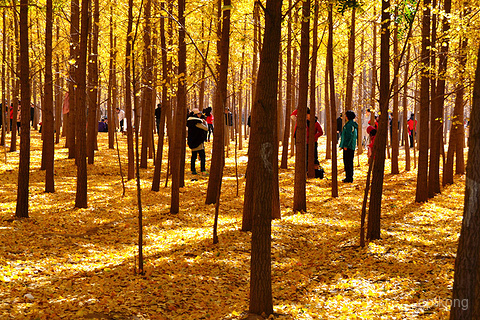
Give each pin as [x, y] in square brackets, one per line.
[348, 143]
[197, 133]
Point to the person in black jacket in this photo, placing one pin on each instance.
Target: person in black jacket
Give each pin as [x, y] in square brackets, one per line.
[197, 133]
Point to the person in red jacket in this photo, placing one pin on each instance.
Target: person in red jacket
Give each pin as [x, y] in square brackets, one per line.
[318, 133]
[412, 128]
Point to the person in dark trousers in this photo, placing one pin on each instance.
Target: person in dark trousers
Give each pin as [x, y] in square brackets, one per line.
[339, 126]
[348, 143]
[412, 128]
[158, 113]
[208, 113]
[197, 134]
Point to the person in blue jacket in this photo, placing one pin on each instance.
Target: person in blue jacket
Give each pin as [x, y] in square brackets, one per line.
[348, 143]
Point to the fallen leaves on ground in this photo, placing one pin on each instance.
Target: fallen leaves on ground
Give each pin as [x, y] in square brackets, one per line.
[67, 263]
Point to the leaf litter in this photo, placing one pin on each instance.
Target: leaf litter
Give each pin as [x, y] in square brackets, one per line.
[67, 263]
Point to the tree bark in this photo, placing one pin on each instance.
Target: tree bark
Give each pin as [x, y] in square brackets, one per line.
[218, 156]
[466, 285]
[422, 174]
[374, 209]
[80, 99]
[394, 124]
[313, 102]
[92, 122]
[299, 193]
[48, 120]
[180, 116]
[288, 93]
[21, 210]
[262, 162]
[333, 105]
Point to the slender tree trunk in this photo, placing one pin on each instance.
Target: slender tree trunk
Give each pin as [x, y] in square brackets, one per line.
[350, 64]
[311, 143]
[333, 105]
[180, 116]
[218, 156]
[48, 120]
[165, 106]
[374, 209]
[373, 102]
[147, 87]
[405, 112]
[73, 81]
[21, 210]
[93, 87]
[436, 114]
[4, 103]
[128, 93]
[80, 99]
[465, 300]
[15, 61]
[262, 140]
[394, 125]
[300, 195]
[288, 93]
[422, 174]
[331, 133]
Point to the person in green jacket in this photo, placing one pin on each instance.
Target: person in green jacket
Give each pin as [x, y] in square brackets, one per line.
[348, 143]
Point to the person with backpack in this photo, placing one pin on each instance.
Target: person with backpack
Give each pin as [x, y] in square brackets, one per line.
[197, 134]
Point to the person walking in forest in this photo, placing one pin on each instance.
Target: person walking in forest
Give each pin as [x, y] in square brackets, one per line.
[348, 143]
[339, 126]
[19, 117]
[318, 133]
[208, 113]
[197, 133]
[371, 131]
[158, 114]
[121, 118]
[412, 128]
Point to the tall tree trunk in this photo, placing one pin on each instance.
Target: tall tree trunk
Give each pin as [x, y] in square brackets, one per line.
[465, 300]
[4, 104]
[147, 87]
[313, 102]
[422, 174]
[48, 120]
[394, 124]
[455, 145]
[180, 116]
[218, 157]
[405, 111]
[328, 117]
[288, 93]
[262, 161]
[80, 99]
[128, 93]
[373, 102]
[374, 209]
[15, 61]
[21, 210]
[110, 108]
[300, 194]
[72, 85]
[165, 106]
[350, 64]
[436, 115]
[333, 105]
[93, 86]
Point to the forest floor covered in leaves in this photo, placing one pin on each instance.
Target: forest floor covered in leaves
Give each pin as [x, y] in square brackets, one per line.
[67, 263]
